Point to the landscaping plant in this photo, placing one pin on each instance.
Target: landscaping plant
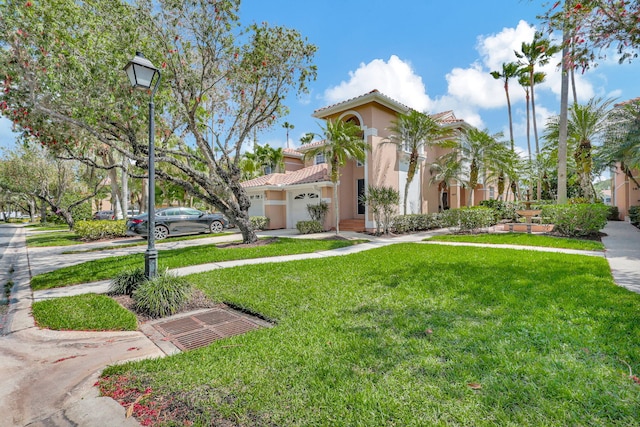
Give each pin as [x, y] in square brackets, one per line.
[126, 282]
[162, 296]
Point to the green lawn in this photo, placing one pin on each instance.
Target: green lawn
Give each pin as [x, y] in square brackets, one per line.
[87, 312]
[54, 238]
[106, 268]
[524, 239]
[409, 335]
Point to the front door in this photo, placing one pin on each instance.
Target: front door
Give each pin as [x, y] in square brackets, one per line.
[360, 193]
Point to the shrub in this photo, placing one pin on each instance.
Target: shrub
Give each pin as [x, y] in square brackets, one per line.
[127, 282]
[614, 214]
[308, 227]
[162, 296]
[318, 212]
[575, 220]
[383, 202]
[468, 220]
[103, 229]
[415, 222]
[259, 222]
[502, 210]
[634, 215]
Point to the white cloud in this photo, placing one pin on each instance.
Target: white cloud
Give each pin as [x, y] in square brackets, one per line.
[394, 78]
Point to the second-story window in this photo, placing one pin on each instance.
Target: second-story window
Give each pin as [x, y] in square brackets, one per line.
[320, 158]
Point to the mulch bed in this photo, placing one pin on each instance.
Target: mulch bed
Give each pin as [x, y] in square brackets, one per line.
[198, 301]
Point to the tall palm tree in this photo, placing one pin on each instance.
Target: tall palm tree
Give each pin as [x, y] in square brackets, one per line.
[478, 152]
[534, 54]
[509, 70]
[586, 123]
[414, 132]
[525, 81]
[343, 141]
[288, 126]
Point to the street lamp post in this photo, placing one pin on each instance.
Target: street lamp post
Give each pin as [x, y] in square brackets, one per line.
[141, 73]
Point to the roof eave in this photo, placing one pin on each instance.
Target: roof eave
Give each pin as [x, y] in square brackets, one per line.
[358, 101]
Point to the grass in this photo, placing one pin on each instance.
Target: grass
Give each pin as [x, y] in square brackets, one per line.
[524, 239]
[141, 243]
[54, 238]
[48, 227]
[108, 267]
[87, 312]
[410, 335]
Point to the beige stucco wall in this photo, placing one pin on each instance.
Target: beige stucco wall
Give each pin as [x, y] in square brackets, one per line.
[275, 208]
[625, 193]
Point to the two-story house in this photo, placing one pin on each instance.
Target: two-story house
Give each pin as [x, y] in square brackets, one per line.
[283, 197]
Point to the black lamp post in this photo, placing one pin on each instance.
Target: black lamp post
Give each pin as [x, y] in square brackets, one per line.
[141, 73]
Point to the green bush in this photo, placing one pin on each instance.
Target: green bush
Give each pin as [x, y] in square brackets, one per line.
[162, 296]
[318, 212]
[415, 222]
[614, 214]
[126, 282]
[576, 220]
[308, 227]
[634, 215]
[502, 209]
[468, 220]
[259, 222]
[103, 229]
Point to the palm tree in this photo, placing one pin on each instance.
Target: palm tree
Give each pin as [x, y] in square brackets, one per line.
[478, 152]
[446, 171]
[586, 123]
[288, 126]
[525, 82]
[509, 70]
[413, 132]
[536, 53]
[622, 140]
[343, 141]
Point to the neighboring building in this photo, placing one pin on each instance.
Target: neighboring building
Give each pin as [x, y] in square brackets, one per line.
[283, 197]
[624, 191]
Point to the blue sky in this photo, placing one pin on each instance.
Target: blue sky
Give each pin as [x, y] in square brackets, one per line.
[430, 55]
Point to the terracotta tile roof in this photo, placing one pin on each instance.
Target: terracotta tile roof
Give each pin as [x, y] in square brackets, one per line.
[315, 173]
[630, 101]
[373, 94]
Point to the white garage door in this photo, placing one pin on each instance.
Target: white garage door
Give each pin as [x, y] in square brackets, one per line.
[256, 208]
[298, 206]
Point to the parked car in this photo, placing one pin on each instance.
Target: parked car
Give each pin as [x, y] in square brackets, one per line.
[175, 221]
[104, 215]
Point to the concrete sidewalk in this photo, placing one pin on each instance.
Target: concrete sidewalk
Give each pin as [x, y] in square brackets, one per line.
[622, 241]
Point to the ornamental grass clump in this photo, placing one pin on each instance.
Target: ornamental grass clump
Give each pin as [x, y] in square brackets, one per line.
[162, 296]
[126, 282]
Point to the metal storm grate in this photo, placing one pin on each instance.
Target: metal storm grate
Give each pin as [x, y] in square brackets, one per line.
[198, 330]
[197, 339]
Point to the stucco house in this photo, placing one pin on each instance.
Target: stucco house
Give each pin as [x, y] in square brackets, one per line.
[625, 192]
[283, 197]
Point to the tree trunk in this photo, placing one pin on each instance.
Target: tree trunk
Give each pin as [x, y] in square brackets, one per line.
[337, 210]
[248, 233]
[562, 125]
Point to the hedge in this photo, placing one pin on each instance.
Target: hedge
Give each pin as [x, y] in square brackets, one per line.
[309, 227]
[415, 222]
[101, 229]
[577, 220]
[468, 220]
[259, 222]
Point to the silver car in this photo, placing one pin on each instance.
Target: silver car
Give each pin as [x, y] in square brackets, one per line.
[177, 221]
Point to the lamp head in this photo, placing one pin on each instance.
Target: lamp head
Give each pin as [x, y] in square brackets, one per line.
[141, 72]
